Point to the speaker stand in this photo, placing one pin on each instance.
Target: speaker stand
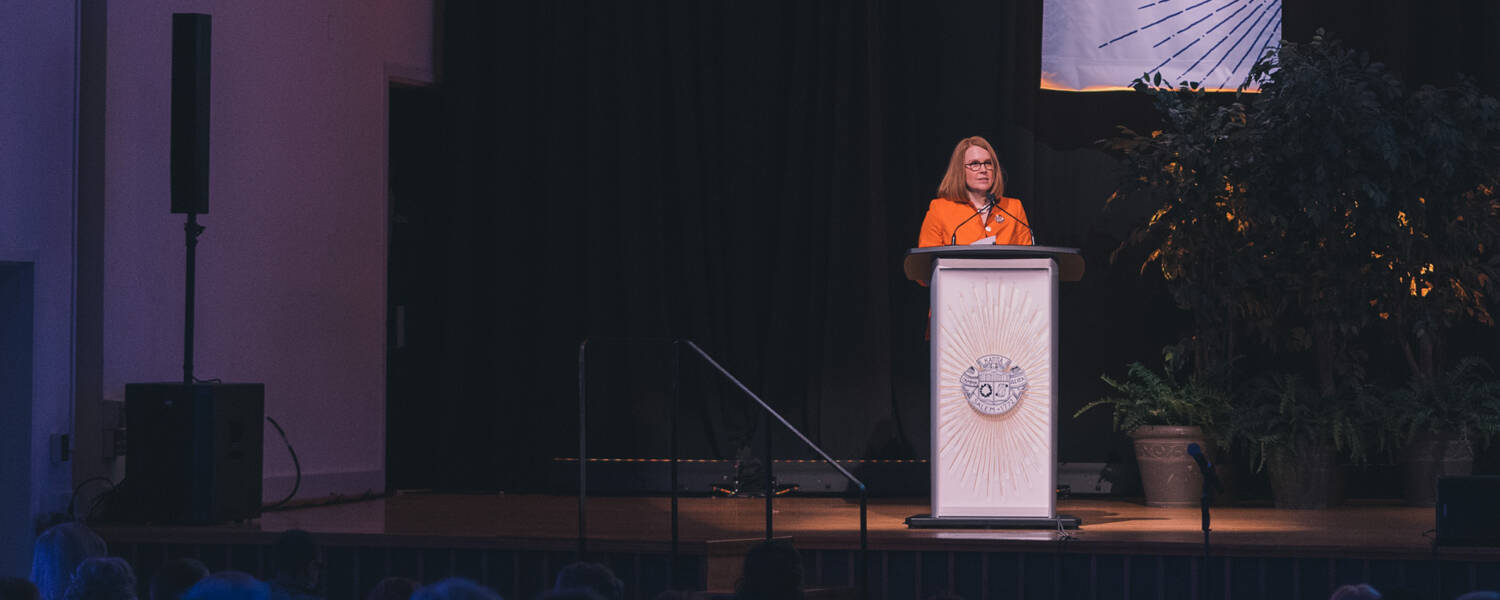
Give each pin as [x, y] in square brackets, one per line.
[192, 230]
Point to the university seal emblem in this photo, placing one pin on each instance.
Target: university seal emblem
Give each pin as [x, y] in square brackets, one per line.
[995, 386]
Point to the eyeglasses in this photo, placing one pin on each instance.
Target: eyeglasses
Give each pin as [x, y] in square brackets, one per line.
[978, 166]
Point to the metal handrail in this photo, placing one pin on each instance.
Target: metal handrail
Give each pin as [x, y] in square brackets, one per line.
[770, 413]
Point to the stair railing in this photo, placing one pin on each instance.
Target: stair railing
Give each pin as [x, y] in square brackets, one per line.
[769, 414]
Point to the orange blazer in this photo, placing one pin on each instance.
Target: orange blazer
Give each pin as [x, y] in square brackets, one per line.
[943, 215]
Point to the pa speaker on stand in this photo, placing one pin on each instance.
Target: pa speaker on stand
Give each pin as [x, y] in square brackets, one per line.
[193, 449]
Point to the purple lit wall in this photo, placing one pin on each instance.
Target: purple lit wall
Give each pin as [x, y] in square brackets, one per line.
[36, 226]
[292, 266]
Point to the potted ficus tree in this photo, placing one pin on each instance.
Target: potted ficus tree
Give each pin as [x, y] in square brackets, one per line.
[1324, 142]
[1195, 236]
[1298, 217]
[1163, 413]
[1325, 139]
[1439, 267]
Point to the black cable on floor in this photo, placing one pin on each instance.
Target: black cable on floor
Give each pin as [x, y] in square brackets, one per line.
[298, 483]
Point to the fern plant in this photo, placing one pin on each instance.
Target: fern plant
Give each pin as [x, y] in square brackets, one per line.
[1463, 401]
[1281, 415]
[1144, 397]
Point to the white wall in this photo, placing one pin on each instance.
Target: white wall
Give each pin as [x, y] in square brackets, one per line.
[292, 266]
[36, 220]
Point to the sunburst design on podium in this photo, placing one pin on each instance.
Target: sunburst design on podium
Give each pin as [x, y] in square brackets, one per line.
[993, 454]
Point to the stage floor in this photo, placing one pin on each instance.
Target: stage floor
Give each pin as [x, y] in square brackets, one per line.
[1370, 530]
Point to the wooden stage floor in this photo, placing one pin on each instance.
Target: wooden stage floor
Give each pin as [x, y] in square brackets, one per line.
[1370, 530]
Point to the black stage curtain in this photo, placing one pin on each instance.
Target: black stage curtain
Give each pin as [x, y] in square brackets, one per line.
[746, 175]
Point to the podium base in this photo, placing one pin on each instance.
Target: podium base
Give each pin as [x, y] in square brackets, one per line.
[931, 522]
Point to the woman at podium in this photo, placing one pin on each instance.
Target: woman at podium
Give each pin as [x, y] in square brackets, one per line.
[971, 206]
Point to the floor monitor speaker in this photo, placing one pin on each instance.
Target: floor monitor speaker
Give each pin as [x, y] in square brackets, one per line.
[193, 451]
[1467, 512]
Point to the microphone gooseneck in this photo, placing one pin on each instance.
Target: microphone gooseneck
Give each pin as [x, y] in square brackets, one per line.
[1207, 468]
[953, 240]
[1018, 219]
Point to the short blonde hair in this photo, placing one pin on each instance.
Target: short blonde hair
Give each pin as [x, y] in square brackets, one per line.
[953, 186]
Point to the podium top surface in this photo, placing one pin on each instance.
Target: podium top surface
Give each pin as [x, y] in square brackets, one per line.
[918, 264]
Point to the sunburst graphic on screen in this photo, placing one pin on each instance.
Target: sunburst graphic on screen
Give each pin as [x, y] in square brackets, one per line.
[995, 453]
[1213, 42]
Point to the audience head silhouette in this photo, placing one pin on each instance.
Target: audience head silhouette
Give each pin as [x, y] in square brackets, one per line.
[297, 569]
[102, 578]
[590, 576]
[772, 571]
[455, 588]
[176, 577]
[229, 585]
[1358, 591]
[57, 554]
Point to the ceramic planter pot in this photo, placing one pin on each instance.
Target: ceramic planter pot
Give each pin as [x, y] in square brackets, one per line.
[1428, 457]
[1306, 479]
[1169, 476]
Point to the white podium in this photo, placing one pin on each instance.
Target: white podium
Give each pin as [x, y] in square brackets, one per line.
[994, 383]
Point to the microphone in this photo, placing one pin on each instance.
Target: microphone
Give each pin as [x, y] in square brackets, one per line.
[996, 203]
[1207, 468]
[954, 240]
